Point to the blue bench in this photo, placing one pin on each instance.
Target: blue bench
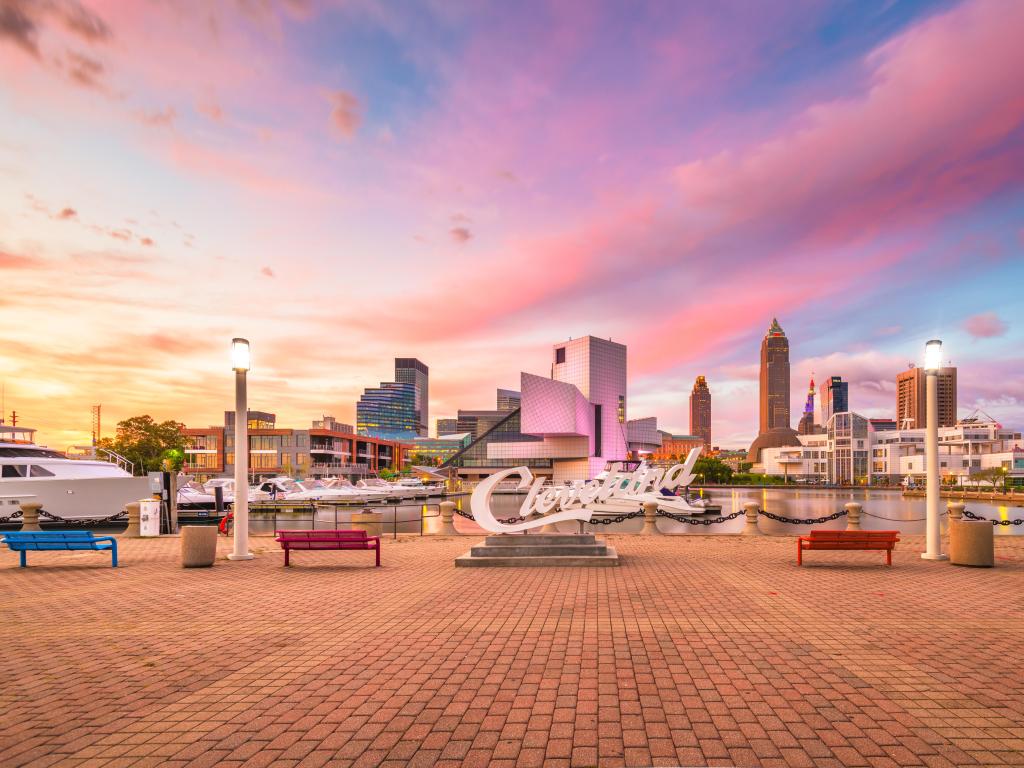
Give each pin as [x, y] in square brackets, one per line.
[49, 541]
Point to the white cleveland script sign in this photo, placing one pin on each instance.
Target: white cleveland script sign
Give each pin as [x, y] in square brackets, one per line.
[570, 502]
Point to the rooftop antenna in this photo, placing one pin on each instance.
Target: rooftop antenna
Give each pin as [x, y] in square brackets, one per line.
[3, 400]
[96, 424]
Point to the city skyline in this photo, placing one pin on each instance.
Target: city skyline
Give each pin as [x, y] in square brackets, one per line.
[357, 191]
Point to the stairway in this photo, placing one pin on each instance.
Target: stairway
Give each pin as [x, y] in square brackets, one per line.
[540, 550]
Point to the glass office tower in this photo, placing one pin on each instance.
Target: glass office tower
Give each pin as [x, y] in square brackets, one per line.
[409, 370]
[388, 411]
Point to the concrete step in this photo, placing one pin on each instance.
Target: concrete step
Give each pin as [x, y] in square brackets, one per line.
[539, 539]
[549, 550]
[609, 559]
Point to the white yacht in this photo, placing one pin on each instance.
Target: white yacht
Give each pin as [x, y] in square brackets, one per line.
[285, 488]
[420, 489]
[68, 488]
[391, 490]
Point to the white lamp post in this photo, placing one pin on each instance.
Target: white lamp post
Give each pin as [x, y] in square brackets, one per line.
[933, 538]
[240, 362]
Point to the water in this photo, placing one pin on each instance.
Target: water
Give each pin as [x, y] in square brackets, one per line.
[902, 514]
[883, 510]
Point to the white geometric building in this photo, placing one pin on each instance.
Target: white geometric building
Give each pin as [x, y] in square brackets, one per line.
[850, 452]
[579, 413]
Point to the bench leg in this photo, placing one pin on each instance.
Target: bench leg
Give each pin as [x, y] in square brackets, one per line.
[287, 552]
[22, 562]
[113, 554]
[799, 554]
[377, 550]
[888, 557]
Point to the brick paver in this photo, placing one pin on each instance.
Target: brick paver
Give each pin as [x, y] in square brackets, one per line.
[695, 651]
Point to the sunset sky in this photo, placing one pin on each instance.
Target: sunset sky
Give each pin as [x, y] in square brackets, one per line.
[467, 183]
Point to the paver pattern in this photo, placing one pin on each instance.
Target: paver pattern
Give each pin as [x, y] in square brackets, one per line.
[695, 651]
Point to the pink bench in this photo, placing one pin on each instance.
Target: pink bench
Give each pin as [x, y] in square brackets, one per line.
[290, 540]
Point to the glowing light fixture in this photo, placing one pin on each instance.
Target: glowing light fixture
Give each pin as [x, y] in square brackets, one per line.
[240, 359]
[933, 355]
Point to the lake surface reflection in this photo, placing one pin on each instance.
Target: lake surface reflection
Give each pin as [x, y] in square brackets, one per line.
[883, 510]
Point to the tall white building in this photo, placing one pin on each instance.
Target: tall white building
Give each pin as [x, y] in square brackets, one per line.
[571, 423]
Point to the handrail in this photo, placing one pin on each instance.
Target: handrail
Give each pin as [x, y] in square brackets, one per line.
[314, 505]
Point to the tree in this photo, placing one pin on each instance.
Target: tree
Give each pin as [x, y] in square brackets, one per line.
[992, 475]
[711, 470]
[150, 445]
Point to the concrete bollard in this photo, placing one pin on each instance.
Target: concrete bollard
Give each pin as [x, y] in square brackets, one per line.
[198, 546]
[853, 510]
[650, 517]
[448, 519]
[132, 531]
[955, 509]
[30, 516]
[751, 509]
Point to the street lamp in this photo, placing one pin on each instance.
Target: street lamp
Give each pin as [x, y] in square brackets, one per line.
[933, 538]
[240, 362]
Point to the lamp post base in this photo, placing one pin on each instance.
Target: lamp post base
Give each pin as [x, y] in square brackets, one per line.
[246, 556]
[938, 556]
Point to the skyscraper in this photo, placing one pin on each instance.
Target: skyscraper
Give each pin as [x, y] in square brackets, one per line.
[409, 370]
[774, 379]
[509, 399]
[447, 426]
[387, 411]
[835, 397]
[910, 398]
[700, 411]
[806, 425]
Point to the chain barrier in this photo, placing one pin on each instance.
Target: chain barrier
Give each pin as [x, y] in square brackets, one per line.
[971, 516]
[616, 519]
[10, 517]
[802, 520]
[894, 519]
[506, 521]
[85, 522]
[698, 521]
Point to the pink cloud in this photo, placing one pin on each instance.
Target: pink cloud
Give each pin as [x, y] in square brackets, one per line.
[985, 326]
[344, 113]
[267, 272]
[461, 234]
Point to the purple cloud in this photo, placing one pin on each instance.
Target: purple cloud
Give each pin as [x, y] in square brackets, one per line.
[985, 326]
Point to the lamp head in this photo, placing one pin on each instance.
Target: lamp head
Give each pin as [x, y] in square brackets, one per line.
[240, 360]
[933, 355]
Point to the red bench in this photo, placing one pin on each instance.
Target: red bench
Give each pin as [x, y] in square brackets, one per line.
[290, 540]
[875, 540]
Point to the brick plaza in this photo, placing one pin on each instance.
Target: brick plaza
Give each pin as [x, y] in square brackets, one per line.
[695, 651]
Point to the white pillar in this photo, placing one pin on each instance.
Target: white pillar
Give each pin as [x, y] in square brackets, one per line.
[241, 504]
[933, 537]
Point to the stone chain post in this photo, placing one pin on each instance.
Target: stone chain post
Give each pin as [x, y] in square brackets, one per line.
[30, 516]
[650, 516]
[132, 531]
[853, 510]
[751, 509]
[447, 519]
[955, 509]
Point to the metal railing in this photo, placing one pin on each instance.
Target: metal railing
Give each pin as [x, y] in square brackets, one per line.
[314, 507]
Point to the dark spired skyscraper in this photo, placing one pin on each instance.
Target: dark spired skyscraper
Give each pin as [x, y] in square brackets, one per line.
[700, 411]
[774, 379]
[806, 425]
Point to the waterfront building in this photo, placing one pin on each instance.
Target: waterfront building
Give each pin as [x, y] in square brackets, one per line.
[910, 398]
[851, 452]
[327, 449]
[677, 447]
[807, 425]
[433, 451]
[388, 411]
[568, 426]
[409, 370]
[774, 379]
[882, 425]
[447, 427]
[835, 397]
[643, 436]
[700, 410]
[509, 400]
[476, 423]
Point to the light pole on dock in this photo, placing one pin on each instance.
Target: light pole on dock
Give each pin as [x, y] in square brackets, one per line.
[240, 361]
[933, 538]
